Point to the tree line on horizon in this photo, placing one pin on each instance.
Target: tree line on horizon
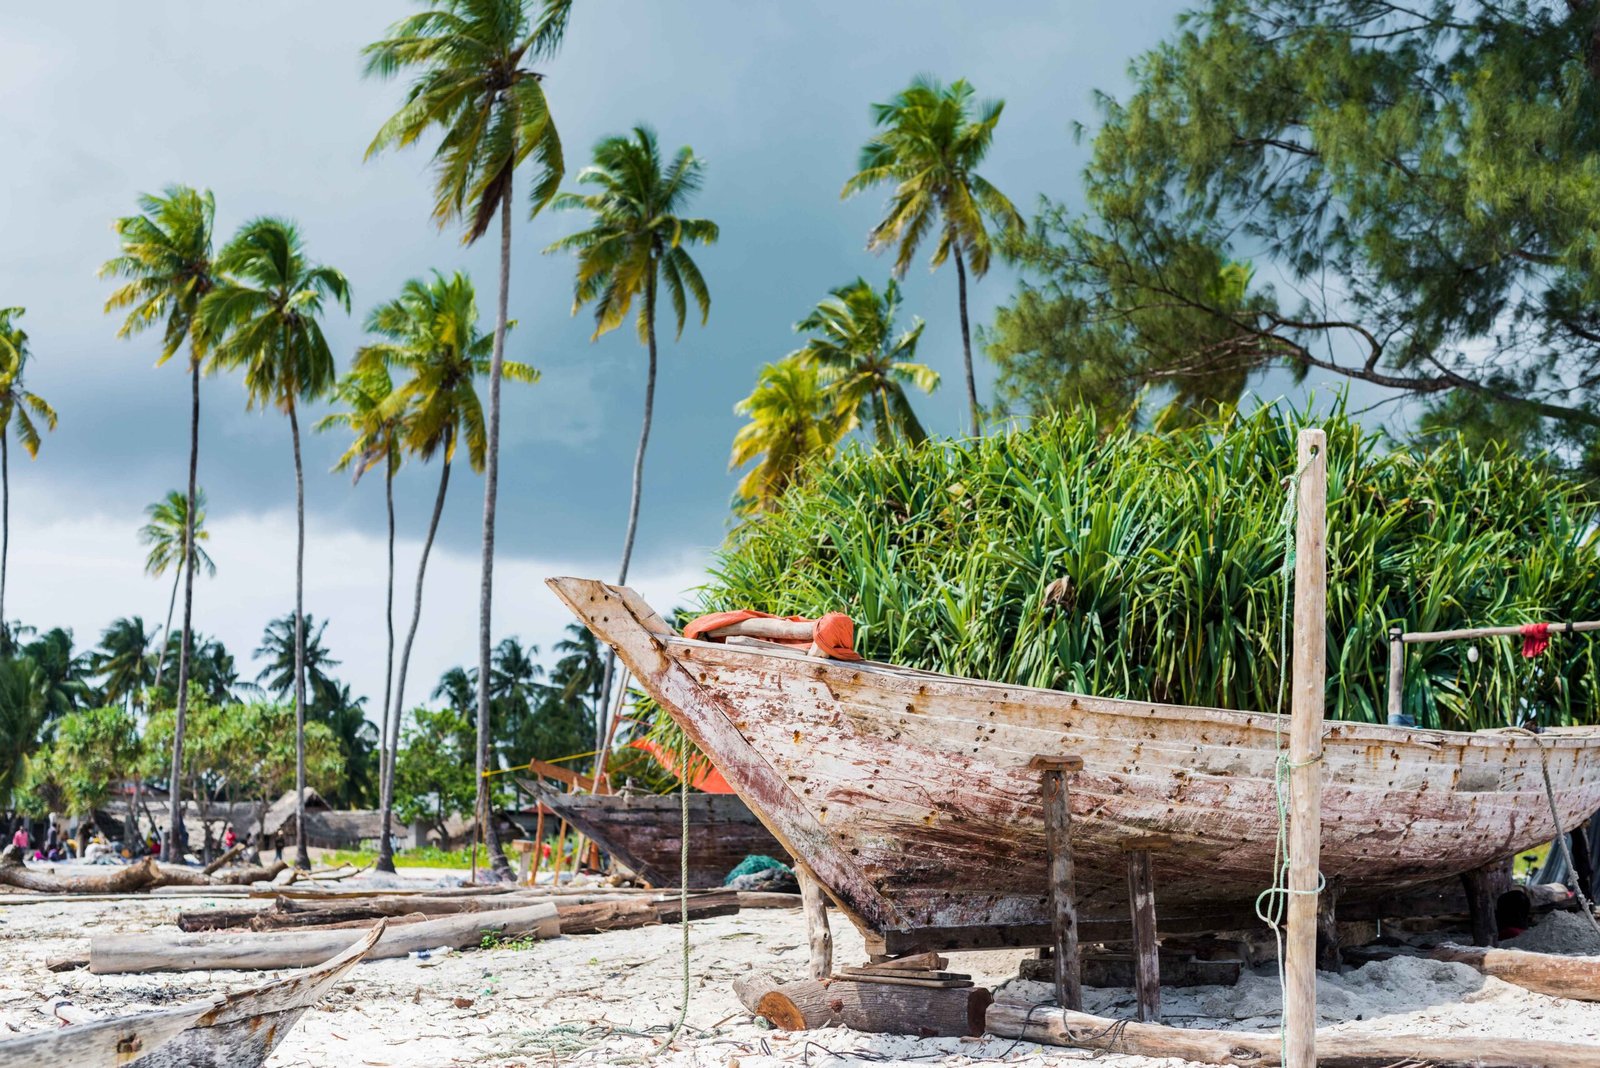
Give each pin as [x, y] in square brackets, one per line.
[1402, 197]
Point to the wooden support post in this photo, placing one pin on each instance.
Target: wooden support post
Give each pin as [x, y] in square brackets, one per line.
[1142, 903]
[524, 850]
[1481, 896]
[1305, 751]
[560, 857]
[1397, 677]
[818, 933]
[1058, 844]
[1328, 959]
[538, 844]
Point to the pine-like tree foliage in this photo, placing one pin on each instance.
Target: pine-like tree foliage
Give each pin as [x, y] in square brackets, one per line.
[1149, 566]
[1416, 185]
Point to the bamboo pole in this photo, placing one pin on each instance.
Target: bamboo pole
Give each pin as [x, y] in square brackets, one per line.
[1305, 751]
[1415, 637]
[538, 843]
[1397, 677]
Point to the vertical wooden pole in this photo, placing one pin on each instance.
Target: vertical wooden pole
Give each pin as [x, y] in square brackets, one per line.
[1481, 899]
[1305, 751]
[538, 843]
[1147, 954]
[1063, 904]
[561, 855]
[818, 933]
[1397, 677]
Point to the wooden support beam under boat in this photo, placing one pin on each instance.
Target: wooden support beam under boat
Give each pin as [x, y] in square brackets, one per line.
[1142, 907]
[1480, 887]
[1058, 844]
[818, 934]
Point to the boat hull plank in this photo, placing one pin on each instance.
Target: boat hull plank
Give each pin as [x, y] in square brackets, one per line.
[910, 796]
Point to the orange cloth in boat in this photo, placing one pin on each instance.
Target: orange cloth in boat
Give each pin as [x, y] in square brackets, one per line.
[708, 780]
[834, 635]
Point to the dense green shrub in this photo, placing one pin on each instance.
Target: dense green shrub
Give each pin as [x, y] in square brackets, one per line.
[1167, 552]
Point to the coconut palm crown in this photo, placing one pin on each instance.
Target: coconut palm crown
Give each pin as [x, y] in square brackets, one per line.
[864, 363]
[928, 147]
[473, 80]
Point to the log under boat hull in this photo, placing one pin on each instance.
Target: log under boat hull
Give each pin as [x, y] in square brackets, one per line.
[908, 793]
[643, 831]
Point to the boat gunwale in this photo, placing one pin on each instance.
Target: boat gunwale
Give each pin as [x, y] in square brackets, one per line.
[1433, 738]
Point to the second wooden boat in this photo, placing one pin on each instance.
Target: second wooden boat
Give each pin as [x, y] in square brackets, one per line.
[643, 831]
[237, 1030]
[909, 794]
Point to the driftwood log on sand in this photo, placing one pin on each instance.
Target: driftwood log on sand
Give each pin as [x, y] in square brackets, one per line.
[116, 953]
[299, 912]
[883, 1008]
[1079, 1030]
[145, 874]
[1544, 973]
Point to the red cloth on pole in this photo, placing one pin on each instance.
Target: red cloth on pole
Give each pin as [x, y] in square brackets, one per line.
[708, 780]
[1535, 639]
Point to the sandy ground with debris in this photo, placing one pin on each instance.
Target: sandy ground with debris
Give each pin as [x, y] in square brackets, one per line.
[609, 998]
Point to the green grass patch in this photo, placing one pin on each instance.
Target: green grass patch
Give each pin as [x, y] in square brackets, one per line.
[426, 857]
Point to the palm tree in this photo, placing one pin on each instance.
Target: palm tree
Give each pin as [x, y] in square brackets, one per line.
[863, 363]
[123, 660]
[375, 427]
[65, 673]
[514, 686]
[929, 147]
[793, 421]
[431, 331]
[343, 713]
[473, 83]
[636, 242]
[23, 713]
[166, 262]
[263, 317]
[289, 658]
[167, 534]
[16, 404]
[581, 669]
[458, 688]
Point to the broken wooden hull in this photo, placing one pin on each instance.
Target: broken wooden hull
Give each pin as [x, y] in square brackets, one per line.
[228, 1031]
[908, 793]
[643, 831]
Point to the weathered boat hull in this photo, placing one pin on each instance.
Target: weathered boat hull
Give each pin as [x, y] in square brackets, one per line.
[908, 793]
[643, 831]
[228, 1031]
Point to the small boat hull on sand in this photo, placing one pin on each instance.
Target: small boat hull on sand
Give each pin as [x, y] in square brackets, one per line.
[643, 831]
[228, 1031]
[908, 793]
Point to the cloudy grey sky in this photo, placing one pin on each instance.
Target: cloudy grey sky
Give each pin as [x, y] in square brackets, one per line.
[264, 104]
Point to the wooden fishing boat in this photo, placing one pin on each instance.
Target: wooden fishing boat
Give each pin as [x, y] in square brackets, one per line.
[908, 793]
[643, 831]
[227, 1031]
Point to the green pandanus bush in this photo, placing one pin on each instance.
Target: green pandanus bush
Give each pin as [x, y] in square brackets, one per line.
[1150, 566]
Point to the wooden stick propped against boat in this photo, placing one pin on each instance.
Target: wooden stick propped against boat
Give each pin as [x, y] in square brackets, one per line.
[1305, 750]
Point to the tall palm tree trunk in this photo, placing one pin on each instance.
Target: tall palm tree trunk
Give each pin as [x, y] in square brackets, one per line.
[302, 859]
[388, 745]
[966, 344]
[385, 850]
[5, 519]
[166, 631]
[603, 710]
[491, 475]
[170, 847]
